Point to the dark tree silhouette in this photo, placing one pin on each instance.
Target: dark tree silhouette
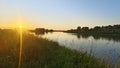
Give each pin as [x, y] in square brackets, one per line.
[78, 28]
[115, 29]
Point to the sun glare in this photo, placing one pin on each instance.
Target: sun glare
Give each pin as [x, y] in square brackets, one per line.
[20, 26]
[20, 54]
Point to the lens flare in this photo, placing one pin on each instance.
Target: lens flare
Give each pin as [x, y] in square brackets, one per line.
[20, 45]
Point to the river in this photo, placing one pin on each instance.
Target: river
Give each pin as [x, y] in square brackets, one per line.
[105, 47]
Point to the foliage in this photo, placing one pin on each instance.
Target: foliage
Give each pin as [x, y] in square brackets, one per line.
[115, 29]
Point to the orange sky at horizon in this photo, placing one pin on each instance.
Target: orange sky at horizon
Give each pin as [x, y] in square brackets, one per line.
[15, 25]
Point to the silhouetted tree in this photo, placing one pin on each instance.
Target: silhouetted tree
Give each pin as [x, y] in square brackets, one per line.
[78, 28]
[115, 29]
[97, 29]
[84, 29]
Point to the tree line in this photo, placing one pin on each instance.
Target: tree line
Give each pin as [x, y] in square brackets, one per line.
[110, 29]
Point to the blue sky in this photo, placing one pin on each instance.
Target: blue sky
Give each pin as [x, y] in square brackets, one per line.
[60, 14]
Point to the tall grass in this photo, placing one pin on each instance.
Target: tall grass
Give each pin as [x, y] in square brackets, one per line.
[42, 53]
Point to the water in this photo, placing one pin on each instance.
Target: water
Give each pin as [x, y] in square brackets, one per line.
[105, 47]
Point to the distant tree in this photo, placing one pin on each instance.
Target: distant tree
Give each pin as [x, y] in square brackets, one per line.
[51, 30]
[85, 28]
[39, 30]
[97, 28]
[109, 27]
[78, 28]
[115, 29]
[116, 26]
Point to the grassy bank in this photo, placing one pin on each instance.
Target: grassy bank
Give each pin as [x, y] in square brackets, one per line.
[42, 53]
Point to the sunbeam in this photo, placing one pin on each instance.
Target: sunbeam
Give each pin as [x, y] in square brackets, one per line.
[20, 45]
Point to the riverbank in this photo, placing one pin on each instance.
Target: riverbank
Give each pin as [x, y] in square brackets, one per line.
[42, 53]
[49, 54]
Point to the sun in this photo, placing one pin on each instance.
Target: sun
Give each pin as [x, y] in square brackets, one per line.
[20, 26]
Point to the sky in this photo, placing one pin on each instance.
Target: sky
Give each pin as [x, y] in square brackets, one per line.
[59, 14]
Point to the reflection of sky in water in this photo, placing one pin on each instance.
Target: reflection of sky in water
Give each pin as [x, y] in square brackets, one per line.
[103, 48]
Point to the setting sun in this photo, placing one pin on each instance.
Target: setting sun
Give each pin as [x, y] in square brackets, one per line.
[20, 26]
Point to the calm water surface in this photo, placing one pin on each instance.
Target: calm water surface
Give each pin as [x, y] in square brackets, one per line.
[107, 48]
